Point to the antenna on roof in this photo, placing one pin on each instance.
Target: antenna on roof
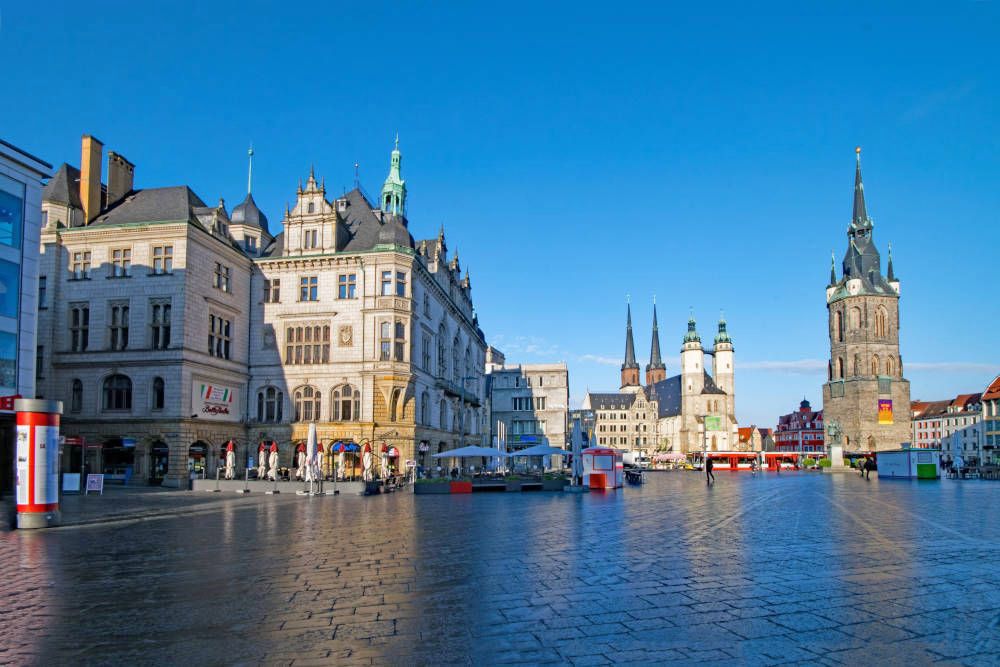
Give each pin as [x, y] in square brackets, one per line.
[250, 169]
[357, 180]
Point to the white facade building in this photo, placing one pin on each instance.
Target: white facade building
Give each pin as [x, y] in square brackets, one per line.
[529, 404]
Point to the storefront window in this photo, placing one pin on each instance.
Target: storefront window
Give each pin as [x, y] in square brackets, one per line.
[11, 211]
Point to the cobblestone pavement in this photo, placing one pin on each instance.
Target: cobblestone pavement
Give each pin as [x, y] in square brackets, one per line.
[810, 568]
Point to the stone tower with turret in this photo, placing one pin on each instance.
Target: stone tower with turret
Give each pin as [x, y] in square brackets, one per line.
[866, 399]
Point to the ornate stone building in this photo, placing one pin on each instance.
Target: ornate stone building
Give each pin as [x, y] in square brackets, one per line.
[866, 399]
[689, 412]
[341, 319]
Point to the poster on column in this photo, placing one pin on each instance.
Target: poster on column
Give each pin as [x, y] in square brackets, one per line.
[885, 411]
[37, 465]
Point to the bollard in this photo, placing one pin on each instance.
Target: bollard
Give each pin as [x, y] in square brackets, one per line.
[37, 462]
[216, 489]
[246, 482]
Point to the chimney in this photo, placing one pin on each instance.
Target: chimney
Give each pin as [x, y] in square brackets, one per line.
[121, 174]
[90, 177]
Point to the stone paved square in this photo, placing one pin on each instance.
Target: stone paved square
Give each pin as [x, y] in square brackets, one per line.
[799, 568]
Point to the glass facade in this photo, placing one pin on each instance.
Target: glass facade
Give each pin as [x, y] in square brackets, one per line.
[11, 211]
[10, 288]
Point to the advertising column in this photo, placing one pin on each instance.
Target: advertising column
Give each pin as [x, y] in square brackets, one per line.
[37, 462]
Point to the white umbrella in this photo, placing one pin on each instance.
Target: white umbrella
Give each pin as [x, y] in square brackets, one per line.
[367, 465]
[311, 453]
[340, 465]
[540, 450]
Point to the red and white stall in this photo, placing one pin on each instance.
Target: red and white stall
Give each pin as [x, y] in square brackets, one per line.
[603, 468]
[37, 462]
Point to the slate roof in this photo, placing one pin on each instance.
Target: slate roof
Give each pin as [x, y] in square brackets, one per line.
[64, 187]
[174, 203]
[667, 394]
[247, 213]
[613, 401]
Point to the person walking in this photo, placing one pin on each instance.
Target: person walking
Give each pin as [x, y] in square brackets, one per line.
[869, 466]
[709, 475]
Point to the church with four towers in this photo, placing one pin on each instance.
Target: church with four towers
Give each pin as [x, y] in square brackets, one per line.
[688, 412]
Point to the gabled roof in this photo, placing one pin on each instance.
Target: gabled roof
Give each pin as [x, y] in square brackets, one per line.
[366, 229]
[667, 394]
[993, 391]
[966, 401]
[176, 203]
[64, 187]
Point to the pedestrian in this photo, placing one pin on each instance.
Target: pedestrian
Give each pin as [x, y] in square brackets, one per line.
[869, 466]
[709, 475]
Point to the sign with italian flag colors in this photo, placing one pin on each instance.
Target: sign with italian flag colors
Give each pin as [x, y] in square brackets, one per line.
[214, 401]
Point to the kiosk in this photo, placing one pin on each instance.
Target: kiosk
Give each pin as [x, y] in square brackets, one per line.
[603, 468]
[909, 464]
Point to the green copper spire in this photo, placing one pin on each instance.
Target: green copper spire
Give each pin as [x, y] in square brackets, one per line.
[723, 335]
[394, 189]
[692, 333]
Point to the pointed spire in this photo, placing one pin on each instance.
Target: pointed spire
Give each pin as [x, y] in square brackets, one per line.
[394, 189]
[655, 359]
[629, 344]
[860, 216]
[833, 269]
[891, 275]
[250, 169]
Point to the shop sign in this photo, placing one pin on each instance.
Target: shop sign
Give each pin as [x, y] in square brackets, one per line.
[410, 463]
[713, 423]
[214, 401]
[128, 442]
[95, 483]
[7, 402]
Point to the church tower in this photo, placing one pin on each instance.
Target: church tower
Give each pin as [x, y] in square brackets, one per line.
[692, 362]
[630, 369]
[866, 399]
[394, 189]
[656, 370]
[723, 364]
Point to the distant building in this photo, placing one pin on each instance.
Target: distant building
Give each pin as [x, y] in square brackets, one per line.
[495, 359]
[754, 439]
[991, 422]
[866, 399]
[529, 404]
[587, 420]
[800, 431]
[21, 177]
[953, 426]
[689, 412]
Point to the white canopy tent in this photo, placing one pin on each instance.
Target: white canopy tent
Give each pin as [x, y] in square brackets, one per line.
[540, 450]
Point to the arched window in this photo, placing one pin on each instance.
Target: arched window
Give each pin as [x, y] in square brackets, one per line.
[838, 326]
[117, 393]
[875, 364]
[468, 363]
[394, 405]
[346, 404]
[881, 322]
[307, 404]
[312, 207]
[890, 366]
[425, 409]
[840, 368]
[158, 394]
[385, 341]
[269, 404]
[443, 416]
[456, 370]
[76, 396]
[855, 318]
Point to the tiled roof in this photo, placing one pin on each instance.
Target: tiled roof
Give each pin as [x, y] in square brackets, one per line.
[993, 391]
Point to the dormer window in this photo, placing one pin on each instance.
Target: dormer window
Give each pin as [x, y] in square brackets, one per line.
[250, 243]
[222, 228]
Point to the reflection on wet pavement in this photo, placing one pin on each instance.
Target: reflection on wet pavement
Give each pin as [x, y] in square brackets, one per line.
[765, 570]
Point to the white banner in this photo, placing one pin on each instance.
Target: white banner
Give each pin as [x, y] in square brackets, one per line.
[214, 401]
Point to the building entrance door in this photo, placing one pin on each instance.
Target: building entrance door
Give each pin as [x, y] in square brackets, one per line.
[158, 463]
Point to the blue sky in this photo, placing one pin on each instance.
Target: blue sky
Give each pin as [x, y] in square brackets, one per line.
[580, 153]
